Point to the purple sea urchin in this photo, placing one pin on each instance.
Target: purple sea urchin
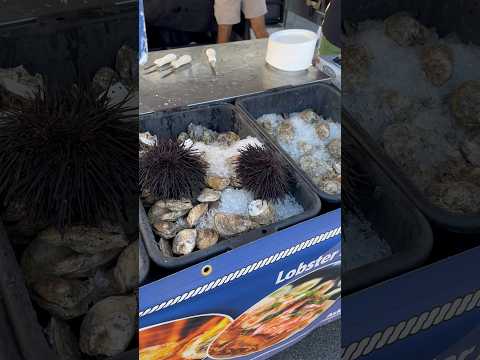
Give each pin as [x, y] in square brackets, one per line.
[262, 171]
[69, 155]
[171, 170]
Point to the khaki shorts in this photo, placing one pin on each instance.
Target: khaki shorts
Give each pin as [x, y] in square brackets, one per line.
[227, 12]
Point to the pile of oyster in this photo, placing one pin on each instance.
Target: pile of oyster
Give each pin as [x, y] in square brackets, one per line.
[222, 209]
[418, 96]
[313, 142]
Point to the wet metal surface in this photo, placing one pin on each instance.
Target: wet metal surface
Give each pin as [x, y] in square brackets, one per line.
[241, 70]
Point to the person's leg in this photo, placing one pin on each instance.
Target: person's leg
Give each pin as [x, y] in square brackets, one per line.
[255, 11]
[227, 13]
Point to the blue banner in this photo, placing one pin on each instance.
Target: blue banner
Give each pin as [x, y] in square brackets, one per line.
[249, 303]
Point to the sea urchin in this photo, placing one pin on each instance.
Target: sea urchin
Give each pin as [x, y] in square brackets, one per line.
[69, 156]
[172, 170]
[262, 172]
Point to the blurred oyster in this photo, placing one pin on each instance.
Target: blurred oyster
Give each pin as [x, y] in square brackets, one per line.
[465, 103]
[401, 142]
[109, 326]
[286, 132]
[356, 66]
[125, 272]
[396, 106]
[185, 242]
[322, 129]
[269, 123]
[458, 196]
[87, 239]
[147, 139]
[309, 116]
[313, 167]
[262, 212]
[18, 82]
[471, 150]
[196, 213]
[217, 182]
[206, 238]
[209, 195]
[405, 30]
[182, 137]
[437, 63]
[304, 147]
[104, 78]
[126, 65]
[228, 138]
[332, 187]
[201, 133]
[175, 205]
[157, 212]
[63, 340]
[173, 215]
[232, 224]
[335, 148]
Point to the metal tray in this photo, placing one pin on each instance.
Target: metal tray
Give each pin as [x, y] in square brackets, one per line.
[393, 217]
[321, 97]
[221, 118]
[446, 16]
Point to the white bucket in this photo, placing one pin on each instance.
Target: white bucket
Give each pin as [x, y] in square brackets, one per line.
[291, 50]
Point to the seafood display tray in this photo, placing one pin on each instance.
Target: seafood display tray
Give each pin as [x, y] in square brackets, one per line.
[460, 17]
[393, 217]
[220, 118]
[20, 315]
[323, 98]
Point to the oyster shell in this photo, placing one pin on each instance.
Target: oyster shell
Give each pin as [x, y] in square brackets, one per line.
[183, 136]
[322, 129]
[356, 64]
[465, 103]
[309, 116]
[109, 326]
[156, 212]
[232, 224]
[396, 106]
[173, 215]
[471, 150]
[184, 242]
[201, 133]
[228, 138]
[335, 148]
[196, 213]
[405, 30]
[304, 147]
[285, 131]
[209, 195]
[206, 238]
[457, 196]
[18, 82]
[126, 64]
[87, 239]
[63, 340]
[125, 272]
[217, 182]
[331, 187]
[103, 78]
[166, 229]
[147, 139]
[262, 212]
[437, 63]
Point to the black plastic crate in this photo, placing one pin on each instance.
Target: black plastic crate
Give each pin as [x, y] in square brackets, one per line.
[446, 16]
[392, 215]
[221, 118]
[323, 98]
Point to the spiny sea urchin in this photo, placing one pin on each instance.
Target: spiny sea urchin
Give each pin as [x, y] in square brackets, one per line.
[69, 155]
[262, 172]
[172, 170]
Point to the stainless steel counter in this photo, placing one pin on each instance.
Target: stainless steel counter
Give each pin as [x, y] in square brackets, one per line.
[241, 69]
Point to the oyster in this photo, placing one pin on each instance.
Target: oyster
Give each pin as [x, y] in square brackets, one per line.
[201, 133]
[185, 242]
[396, 106]
[322, 129]
[125, 272]
[313, 167]
[262, 212]
[166, 229]
[104, 78]
[405, 30]
[304, 147]
[356, 64]
[471, 150]
[457, 196]
[228, 138]
[126, 65]
[217, 182]
[147, 139]
[209, 195]
[173, 215]
[63, 340]
[196, 213]
[183, 137]
[157, 212]
[309, 116]
[86, 239]
[465, 103]
[232, 224]
[331, 187]
[335, 148]
[18, 82]
[437, 63]
[206, 238]
[109, 326]
[286, 132]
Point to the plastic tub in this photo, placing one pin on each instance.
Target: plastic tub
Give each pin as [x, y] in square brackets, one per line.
[221, 118]
[445, 16]
[321, 97]
[291, 50]
[393, 217]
